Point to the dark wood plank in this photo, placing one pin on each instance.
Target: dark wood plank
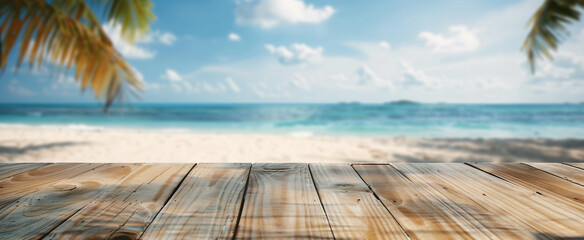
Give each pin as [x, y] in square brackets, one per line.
[11, 169]
[126, 211]
[206, 205]
[541, 216]
[36, 214]
[352, 209]
[282, 203]
[562, 170]
[427, 211]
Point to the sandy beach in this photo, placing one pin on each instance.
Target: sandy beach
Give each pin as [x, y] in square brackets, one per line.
[42, 144]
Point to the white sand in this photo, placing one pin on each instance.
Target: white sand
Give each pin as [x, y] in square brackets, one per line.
[38, 144]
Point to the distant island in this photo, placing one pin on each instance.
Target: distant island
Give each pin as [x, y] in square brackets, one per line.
[402, 102]
[350, 103]
[396, 102]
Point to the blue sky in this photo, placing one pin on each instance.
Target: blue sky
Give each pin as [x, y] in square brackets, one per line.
[329, 51]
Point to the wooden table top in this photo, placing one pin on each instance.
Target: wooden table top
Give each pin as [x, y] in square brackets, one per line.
[289, 200]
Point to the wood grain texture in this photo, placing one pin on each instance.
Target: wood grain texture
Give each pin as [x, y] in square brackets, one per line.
[578, 165]
[562, 170]
[533, 212]
[539, 182]
[426, 211]
[282, 203]
[162, 201]
[16, 186]
[11, 169]
[352, 209]
[126, 211]
[206, 205]
[34, 215]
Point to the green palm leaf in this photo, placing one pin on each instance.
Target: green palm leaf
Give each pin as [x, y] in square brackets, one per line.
[548, 26]
[67, 34]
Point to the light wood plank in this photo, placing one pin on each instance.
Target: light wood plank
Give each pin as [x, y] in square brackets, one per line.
[538, 181]
[352, 209]
[282, 203]
[11, 169]
[534, 212]
[561, 170]
[128, 209]
[578, 165]
[426, 211]
[35, 214]
[19, 185]
[206, 205]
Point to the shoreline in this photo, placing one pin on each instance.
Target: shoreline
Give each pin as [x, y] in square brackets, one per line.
[251, 132]
[37, 144]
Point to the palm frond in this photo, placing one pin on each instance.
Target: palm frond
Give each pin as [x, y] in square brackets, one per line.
[134, 17]
[548, 26]
[67, 34]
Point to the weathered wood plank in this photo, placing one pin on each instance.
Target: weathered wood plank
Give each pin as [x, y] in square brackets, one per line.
[561, 170]
[127, 210]
[427, 211]
[36, 214]
[206, 205]
[534, 212]
[352, 209]
[538, 181]
[578, 165]
[19, 185]
[282, 203]
[11, 169]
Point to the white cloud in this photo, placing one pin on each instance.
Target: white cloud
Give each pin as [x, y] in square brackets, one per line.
[16, 88]
[194, 85]
[208, 88]
[573, 50]
[461, 39]
[271, 13]
[152, 86]
[136, 51]
[262, 90]
[503, 25]
[379, 76]
[407, 71]
[258, 92]
[232, 85]
[171, 75]
[553, 72]
[167, 38]
[300, 82]
[234, 37]
[296, 54]
[367, 77]
[415, 77]
[492, 83]
[157, 36]
[176, 87]
[126, 49]
[384, 44]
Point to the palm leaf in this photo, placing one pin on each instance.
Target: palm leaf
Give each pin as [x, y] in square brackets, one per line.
[548, 27]
[67, 34]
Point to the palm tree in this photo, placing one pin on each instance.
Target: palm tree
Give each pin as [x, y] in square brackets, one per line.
[67, 34]
[548, 25]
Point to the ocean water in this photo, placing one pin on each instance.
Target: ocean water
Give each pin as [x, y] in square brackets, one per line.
[380, 120]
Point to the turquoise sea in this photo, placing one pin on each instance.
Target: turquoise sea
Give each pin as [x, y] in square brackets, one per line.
[352, 119]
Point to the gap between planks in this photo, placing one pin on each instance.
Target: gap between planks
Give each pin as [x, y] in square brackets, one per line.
[170, 197]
